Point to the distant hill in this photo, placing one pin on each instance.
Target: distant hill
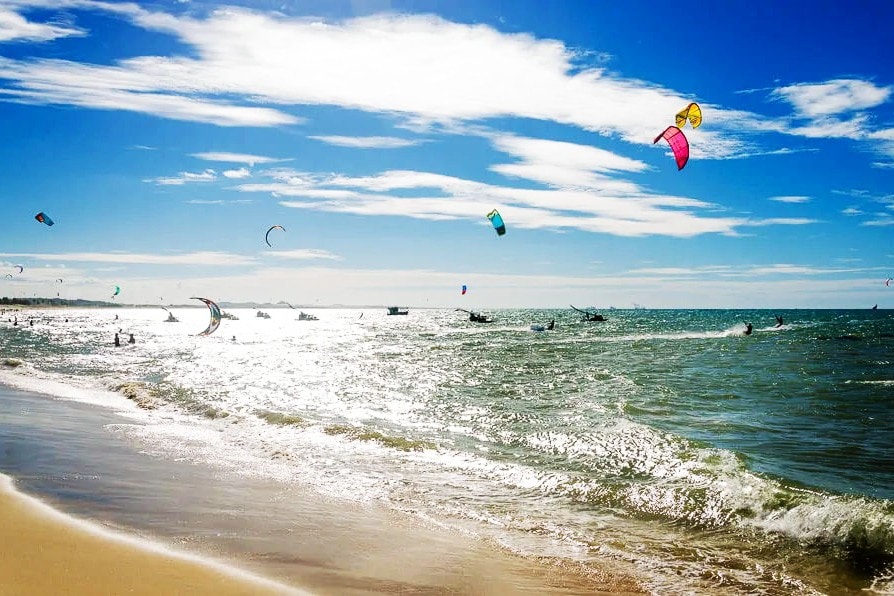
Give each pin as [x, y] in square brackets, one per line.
[5, 301]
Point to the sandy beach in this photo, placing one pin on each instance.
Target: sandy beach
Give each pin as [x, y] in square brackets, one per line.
[154, 525]
[46, 552]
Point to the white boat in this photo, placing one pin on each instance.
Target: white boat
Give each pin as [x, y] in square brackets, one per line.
[303, 316]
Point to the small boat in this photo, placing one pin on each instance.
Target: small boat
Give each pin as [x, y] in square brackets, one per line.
[303, 316]
[226, 315]
[396, 310]
[589, 317]
[262, 315]
[477, 317]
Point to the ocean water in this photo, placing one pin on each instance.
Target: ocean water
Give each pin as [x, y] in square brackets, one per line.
[664, 444]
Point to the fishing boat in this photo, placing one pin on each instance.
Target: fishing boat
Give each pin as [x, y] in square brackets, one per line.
[396, 310]
[303, 316]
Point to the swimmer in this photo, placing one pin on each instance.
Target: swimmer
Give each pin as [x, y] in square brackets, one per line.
[748, 328]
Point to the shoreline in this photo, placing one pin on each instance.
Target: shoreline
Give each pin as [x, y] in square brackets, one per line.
[78, 461]
[47, 551]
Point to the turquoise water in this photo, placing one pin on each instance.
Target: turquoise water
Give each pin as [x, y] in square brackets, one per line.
[665, 444]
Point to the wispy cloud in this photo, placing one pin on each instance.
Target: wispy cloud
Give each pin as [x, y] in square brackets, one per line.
[219, 202]
[790, 199]
[421, 67]
[750, 271]
[184, 178]
[303, 254]
[581, 191]
[830, 98]
[15, 27]
[245, 158]
[367, 142]
[193, 258]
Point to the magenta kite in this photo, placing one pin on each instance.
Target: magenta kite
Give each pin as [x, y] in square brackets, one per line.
[678, 144]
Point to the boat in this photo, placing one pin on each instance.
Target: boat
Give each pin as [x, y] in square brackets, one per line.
[303, 316]
[589, 317]
[262, 315]
[477, 317]
[396, 310]
[226, 315]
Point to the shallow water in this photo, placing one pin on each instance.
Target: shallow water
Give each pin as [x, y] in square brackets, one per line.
[666, 444]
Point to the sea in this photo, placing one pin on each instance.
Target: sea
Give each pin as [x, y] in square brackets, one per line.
[663, 444]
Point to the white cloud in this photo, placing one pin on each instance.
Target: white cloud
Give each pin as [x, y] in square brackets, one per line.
[790, 199]
[422, 67]
[303, 254]
[367, 142]
[193, 258]
[237, 174]
[245, 158]
[15, 27]
[185, 177]
[219, 202]
[817, 100]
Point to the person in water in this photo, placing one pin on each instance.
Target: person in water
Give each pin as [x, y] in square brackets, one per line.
[552, 324]
[131, 340]
[748, 328]
[117, 341]
[779, 321]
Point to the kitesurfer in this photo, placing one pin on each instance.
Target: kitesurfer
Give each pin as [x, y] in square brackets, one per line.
[117, 341]
[779, 321]
[748, 328]
[552, 324]
[131, 340]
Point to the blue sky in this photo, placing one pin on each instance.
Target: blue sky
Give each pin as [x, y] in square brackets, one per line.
[164, 138]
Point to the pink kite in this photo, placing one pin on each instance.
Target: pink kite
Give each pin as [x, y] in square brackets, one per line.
[678, 143]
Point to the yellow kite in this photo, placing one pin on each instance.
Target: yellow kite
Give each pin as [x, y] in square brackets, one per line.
[691, 112]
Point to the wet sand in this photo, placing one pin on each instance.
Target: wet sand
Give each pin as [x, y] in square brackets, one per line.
[79, 459]
[47, 552]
